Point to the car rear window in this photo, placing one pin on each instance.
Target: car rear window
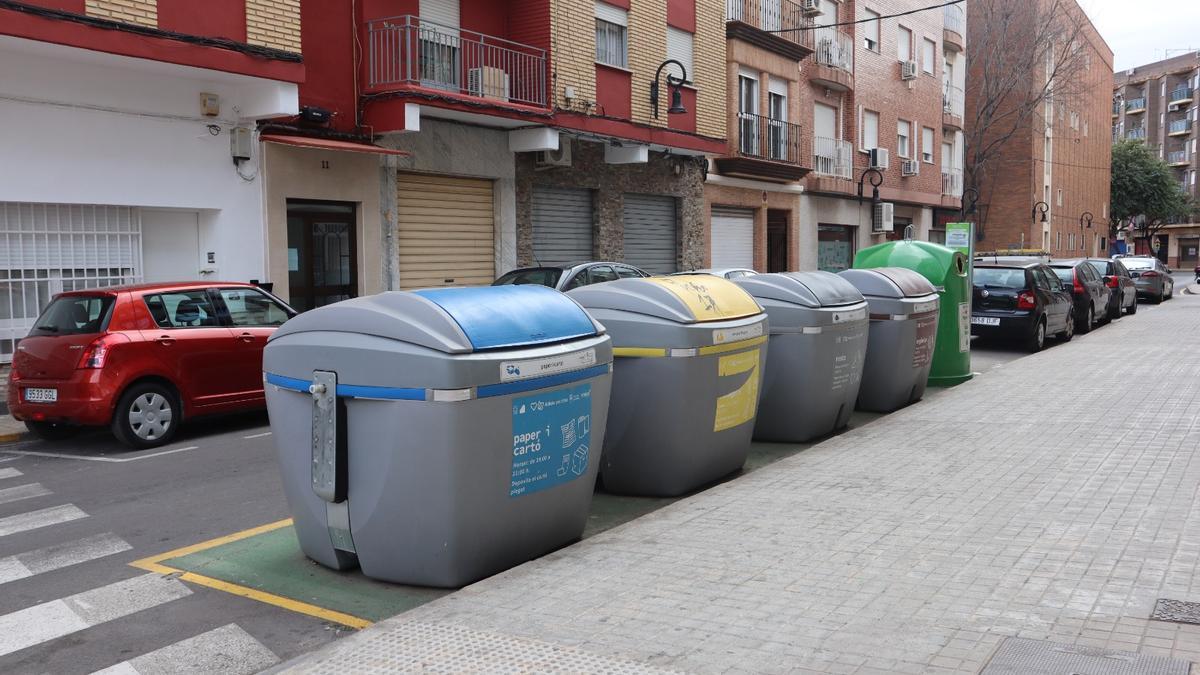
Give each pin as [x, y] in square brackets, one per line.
[74, 315]
[1067, 274]
[1100, 266]
[538, 277]
[1138, 263]
[1000, 277]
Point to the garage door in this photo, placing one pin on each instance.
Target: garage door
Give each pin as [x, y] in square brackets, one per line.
[444, 231]
[650, 233]
[732, 238]
[562, 225]
[51, 248]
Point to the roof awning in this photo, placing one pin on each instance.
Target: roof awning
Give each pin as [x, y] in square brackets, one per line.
[329, 144]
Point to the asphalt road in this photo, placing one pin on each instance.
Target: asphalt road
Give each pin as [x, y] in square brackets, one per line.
[83, 607]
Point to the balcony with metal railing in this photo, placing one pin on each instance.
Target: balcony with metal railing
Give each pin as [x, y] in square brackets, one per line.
[1178, 158]
[766, 148]
[1179, 127]
[953, 105]
[1135, 105]
[408, 52]
[833, 158]
[778, 26]
[1116, 109]
[833, 61]
[1180, 95]
[954, 27]
[952, 183]
[1136, 133]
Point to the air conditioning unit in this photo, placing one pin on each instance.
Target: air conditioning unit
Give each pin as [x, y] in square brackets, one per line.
[559, 157]
[908, 70]
[910, 167]
[488, 83]
[1175, 107]
[883, 220]
[879, 158]
[810, 7]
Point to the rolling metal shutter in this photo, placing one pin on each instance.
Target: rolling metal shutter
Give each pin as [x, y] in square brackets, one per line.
[562, 225]
[732, 238]
[444, 231]
[650, 233]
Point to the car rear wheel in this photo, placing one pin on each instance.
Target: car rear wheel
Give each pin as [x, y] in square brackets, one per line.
[1037, 340]
[1114, 310]
[1068, 331]
[52, 431]
[1088, 322]
[1133, 307]
[147, 416]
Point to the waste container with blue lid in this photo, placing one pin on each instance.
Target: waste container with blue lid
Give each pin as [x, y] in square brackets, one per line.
[437, 437]
[818, 345]
[904, 310]
[689, 355]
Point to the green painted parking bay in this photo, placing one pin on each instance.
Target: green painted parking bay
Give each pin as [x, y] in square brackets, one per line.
[266, 563]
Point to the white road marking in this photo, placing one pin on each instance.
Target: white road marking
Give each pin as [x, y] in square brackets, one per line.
[8, 459]
[50, 620]
[227, 649]
[40, 518]
[20, 492]
[55, 557]
[97, 458]
[265, 433]
[10, 473]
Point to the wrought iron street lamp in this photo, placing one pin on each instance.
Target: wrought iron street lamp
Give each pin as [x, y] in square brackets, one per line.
[676, 85]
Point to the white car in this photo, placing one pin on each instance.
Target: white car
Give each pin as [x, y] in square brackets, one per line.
[724, 272]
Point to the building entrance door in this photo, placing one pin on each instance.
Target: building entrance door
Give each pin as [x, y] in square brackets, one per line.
[322, 253]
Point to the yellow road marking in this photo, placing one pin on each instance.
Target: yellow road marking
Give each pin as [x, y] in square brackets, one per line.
[155, 564]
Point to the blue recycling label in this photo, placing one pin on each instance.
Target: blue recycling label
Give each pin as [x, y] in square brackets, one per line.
[551, 438]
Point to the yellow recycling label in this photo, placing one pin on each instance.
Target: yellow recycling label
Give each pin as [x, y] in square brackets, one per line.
[710, 298]
[738, 406]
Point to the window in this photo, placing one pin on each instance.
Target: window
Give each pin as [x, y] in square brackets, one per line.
[903, 137]
[870, 130]
[871, 30]
[182, 309]
[747, 115]
[1162, 88]
[927, 144]
[928, 54]
[679, 47]
[611, 35]
[601, 274]
[628, 272]
[1058, 201]
[904, 44]
[74, 315]
[1085, 128]
[248, 307]
[1075, 121]
[777, 134]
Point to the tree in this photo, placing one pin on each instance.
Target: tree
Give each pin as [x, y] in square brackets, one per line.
[1026, 56]
[1144, 192]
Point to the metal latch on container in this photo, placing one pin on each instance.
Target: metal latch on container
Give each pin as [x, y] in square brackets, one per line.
[328, 438]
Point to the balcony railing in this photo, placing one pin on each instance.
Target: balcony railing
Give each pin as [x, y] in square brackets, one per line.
[1136, 134]
[1116, 108]
[1135, 104]
[952, 183]
[773, 15]
[834, 49]
[1181, 94]
[952, 99]
[764, 138]
[1177, 157]
[409, 50]
[1179, 127]
[832, 157]
[954, 19]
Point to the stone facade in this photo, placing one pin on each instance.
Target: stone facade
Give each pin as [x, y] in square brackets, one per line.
[144, 12]
[273, 23]
[679, 177]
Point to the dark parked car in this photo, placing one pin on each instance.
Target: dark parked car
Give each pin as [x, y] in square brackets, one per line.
[1090, 292]
[1122, 289]
[571, 275]
[1152, 277]
[1020, 300]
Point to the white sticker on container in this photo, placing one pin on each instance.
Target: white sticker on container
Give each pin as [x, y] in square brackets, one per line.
[852, 315]
[725, 335]
[923, 307]
[964, 327]
[550, 365]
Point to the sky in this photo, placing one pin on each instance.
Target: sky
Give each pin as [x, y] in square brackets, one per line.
[1142, 31]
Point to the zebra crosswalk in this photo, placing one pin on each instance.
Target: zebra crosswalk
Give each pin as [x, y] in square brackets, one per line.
[225, 649]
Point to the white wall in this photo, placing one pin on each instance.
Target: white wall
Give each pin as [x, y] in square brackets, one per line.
[90, 128]
[815, 211]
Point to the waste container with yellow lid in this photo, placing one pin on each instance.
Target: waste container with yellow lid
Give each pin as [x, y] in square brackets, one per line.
[689, 353]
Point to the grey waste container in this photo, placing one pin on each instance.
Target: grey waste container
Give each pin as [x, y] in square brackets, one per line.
[818, 344]
[686, 380]
[437, 437]
[904, 322]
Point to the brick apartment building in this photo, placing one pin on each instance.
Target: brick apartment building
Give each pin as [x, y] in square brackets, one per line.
[805, 108]
[1157, 104]
[1059, 156]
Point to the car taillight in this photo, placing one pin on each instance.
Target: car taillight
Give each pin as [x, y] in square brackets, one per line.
[1111, 282]
[1075, 282]
[1151, 273]
[1026, 300]
[95, 354]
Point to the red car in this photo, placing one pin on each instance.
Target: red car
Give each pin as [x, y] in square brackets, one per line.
[143, 358]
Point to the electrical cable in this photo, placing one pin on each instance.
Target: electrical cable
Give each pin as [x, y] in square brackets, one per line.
[874, 18]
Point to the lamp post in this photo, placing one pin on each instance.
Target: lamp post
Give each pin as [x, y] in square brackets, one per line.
[1086, 216]
[876, 180]
[1044, 208]
[675, 83]
[968, 207]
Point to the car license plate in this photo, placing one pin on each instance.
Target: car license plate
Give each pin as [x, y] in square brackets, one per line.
[41, 395]
[985, 321]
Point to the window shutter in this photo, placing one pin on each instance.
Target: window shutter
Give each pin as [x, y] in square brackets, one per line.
[679, 47]
[611, 14]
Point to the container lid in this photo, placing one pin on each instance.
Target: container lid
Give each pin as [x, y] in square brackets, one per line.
[889, 282]
[683, 298]
[455, 320]
[807, 289]
[935, 262]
